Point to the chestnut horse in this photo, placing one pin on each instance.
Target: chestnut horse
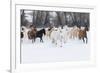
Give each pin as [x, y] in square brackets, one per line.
[83, 35]
[32, 34]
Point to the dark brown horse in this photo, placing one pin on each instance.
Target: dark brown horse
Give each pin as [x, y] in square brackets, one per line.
[22, 34]
[32, 34]
[83, 35]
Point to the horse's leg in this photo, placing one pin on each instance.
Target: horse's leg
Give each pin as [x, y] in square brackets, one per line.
[32, 40]
[83, 40]
[79, 38]
[61, 42]
[86, 39]
[71, 36]
[65, 39]
[55, 41]
[21, 40]
[41, 40]
[52, 40]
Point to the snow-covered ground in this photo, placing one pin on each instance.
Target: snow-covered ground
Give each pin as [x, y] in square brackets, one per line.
[72, 50]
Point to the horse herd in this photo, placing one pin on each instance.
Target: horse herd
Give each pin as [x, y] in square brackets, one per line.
[55, 34]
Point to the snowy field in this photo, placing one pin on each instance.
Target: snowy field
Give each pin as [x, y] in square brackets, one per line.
[72, 50]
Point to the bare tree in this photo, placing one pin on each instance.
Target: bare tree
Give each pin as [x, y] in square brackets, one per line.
[47, 19]
[53, 18]
[35, 13]
[22, 17]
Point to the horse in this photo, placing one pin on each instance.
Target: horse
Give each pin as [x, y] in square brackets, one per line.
[58, 35]
[48, 32]
[75, 32]
[54, 35]
[65, 33]
[23, 28]
[83, 35]
[22, 35]
[32, 34]
[39, 34]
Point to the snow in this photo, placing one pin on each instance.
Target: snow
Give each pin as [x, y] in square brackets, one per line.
[72, 50]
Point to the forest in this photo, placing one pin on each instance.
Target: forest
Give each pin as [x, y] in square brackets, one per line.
[53, 18]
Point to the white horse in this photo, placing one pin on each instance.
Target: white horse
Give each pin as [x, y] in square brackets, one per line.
[48, 32]
[58, 36]
[64, 33]
[25, 31]
[73, 32]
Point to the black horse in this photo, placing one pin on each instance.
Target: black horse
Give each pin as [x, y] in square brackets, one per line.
[22, 35]
[39, 34]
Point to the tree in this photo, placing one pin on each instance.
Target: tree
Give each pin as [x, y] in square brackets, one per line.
[34, 13]
[22, 17]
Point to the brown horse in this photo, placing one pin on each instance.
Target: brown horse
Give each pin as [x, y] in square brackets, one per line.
[83, 35]
[32, 34]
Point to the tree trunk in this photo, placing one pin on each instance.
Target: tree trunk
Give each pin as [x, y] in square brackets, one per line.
[22, 17]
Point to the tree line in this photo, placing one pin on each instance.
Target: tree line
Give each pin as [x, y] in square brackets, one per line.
[55, 18]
